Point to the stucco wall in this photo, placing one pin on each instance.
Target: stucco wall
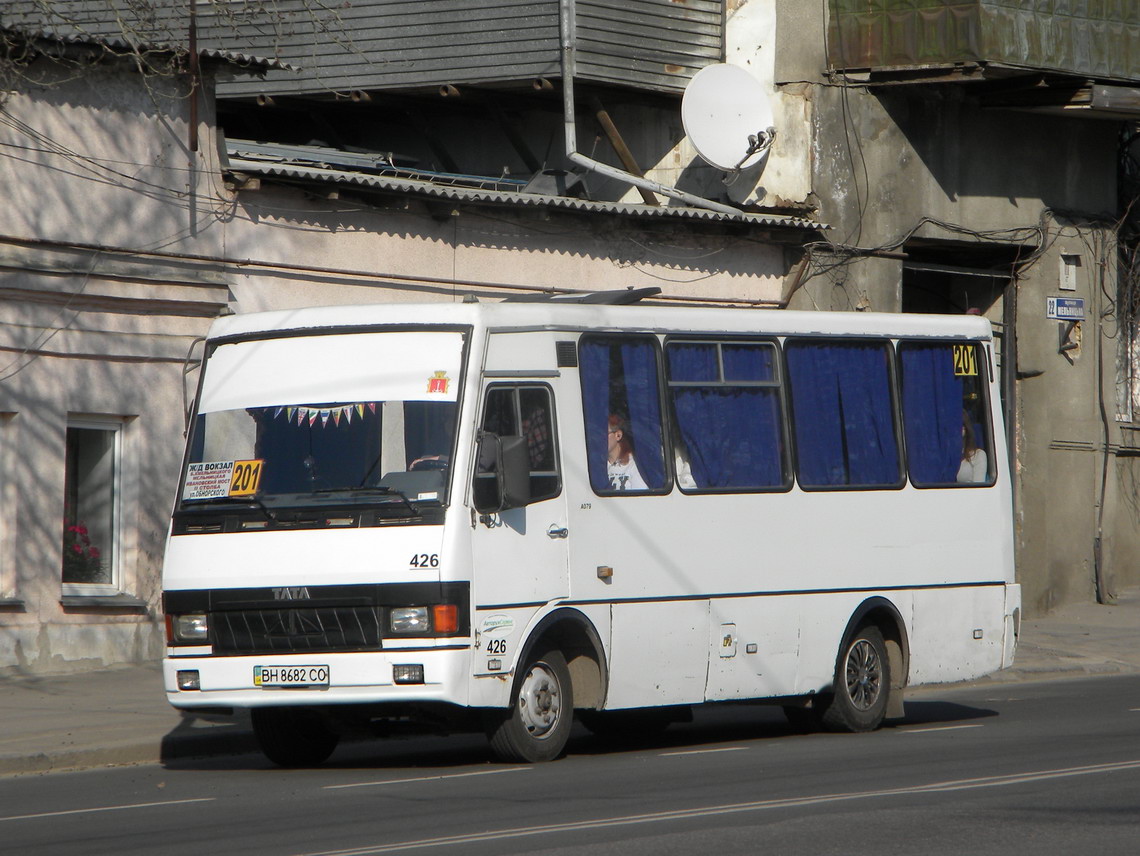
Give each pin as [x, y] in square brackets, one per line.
[97, 176]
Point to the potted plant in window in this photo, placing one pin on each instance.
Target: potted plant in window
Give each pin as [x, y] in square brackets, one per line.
[82, 560]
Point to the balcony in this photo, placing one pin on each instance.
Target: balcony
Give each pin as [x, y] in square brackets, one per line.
[420, 46]
[1063, 56]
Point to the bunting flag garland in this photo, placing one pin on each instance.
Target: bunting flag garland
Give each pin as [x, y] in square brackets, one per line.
[301, 416]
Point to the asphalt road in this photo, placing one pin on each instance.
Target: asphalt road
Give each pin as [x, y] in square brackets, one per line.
[1042, 768]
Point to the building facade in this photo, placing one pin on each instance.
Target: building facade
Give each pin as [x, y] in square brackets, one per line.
[927, 175]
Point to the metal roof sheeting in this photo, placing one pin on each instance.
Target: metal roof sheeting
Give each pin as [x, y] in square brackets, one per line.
[430, 190]
[114, 25]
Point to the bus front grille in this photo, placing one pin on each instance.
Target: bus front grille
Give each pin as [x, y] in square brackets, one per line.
[295, 630]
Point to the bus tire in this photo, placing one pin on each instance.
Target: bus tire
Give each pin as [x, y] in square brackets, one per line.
[293, 736]
[537, 725]
[862, 684]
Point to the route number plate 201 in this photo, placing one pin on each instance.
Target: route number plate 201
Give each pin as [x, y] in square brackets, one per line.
[277, 677]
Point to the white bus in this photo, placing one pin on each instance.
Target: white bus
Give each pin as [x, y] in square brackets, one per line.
[505, 514]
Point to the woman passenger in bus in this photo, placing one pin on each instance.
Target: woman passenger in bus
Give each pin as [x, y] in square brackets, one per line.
[621, 468]
[974, 467]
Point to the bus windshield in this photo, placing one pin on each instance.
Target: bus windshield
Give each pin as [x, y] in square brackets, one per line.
[352, 418]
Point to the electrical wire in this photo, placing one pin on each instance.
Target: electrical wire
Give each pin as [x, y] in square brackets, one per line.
[51, 331]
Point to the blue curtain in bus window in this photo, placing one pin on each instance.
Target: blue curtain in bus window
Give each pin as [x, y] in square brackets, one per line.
[731, 434]
[932, 413]
[639, 361]
[620, 376]
[749, 362]
[594, 370]
[841, 408]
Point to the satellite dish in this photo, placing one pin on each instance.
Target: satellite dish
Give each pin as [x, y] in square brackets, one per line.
[726, 114]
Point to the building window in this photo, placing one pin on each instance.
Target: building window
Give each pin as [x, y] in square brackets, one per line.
[8, 509]
[1128, 356]
[91, 514]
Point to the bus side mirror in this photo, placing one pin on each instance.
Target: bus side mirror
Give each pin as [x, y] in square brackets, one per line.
[504, 480]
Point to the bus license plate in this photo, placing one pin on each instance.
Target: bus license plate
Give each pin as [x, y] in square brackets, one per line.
[272, 677]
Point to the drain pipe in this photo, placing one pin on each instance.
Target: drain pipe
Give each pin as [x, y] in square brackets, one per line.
[566, 27]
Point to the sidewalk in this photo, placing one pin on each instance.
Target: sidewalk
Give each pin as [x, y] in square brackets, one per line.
[120, 716]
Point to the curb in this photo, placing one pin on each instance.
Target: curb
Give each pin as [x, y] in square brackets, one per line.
[179, 744]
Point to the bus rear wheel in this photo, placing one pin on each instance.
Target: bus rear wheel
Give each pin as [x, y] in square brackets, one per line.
[537, 725]
[862, 684]
[293, 736]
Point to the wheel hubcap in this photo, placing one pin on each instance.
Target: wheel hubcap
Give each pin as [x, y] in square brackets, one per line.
[864, 675]
[540, 701]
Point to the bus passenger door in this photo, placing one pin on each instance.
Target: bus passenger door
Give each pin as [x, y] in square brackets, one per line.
[520, 554]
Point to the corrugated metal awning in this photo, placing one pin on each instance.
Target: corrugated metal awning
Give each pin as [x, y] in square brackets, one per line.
[118, 45]
[430, 190]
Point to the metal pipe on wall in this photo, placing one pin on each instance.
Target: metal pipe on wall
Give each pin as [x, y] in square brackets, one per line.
[566, 30]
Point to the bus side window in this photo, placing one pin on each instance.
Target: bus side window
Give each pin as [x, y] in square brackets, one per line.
[621, 404]
[945, 414]
[525, 411]
[728, 415]
[843, 413]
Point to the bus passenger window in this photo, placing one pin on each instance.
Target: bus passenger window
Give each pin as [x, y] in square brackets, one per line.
[524, 411]
[621, 404]
[728, 415]
[945, 417]
[843, 414]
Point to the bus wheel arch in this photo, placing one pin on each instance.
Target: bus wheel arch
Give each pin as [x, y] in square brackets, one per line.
[573, 634]
[875, 631]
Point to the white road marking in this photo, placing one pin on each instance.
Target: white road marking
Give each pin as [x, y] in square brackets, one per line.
[732, 808]
[937, 728]
[105, 808]
[702, 751]
[426, 778]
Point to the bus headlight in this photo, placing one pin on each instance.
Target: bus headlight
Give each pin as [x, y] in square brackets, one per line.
[190, 629]
[409, 619]
[441, 619]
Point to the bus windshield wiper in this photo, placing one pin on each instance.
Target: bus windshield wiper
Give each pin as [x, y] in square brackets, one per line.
[255, 502]
[385, 490]
[236, 501]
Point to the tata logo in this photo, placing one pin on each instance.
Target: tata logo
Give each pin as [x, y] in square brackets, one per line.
[291, 593]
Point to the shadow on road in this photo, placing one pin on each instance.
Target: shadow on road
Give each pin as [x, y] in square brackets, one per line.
[710, 725]
[941, 713]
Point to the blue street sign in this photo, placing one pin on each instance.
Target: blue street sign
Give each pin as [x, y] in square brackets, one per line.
[1065, 308]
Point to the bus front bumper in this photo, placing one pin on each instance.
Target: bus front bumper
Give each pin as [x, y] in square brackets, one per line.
[427, 674]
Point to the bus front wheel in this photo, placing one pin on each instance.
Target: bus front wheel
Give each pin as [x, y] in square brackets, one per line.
[862, 684]
[537, 725]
